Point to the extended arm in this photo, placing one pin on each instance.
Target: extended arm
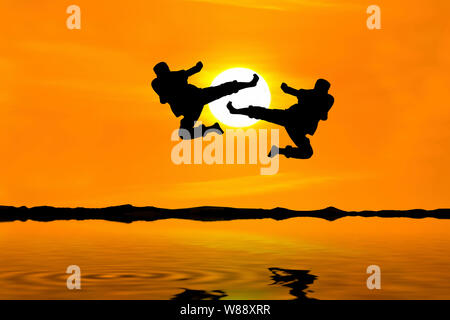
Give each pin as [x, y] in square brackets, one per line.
[196, 69]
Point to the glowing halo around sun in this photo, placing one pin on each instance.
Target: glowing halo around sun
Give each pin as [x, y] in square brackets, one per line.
[256, 96]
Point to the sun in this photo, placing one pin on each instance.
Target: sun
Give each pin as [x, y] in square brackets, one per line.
[256, 96]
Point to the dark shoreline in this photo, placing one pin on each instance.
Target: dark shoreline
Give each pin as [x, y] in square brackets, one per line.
[128, 214]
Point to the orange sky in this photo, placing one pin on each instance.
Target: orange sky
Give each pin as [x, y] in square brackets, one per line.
[80, 126]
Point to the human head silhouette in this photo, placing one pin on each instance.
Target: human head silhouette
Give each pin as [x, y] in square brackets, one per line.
[322, 86]
[161, 68]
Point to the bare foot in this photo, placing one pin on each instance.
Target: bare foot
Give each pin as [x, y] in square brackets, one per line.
[231, 108]
[274, 151]
[254, 81]
[214, 128]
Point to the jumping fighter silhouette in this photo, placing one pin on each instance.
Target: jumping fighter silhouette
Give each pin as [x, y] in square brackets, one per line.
[187, 100]
[299, 120]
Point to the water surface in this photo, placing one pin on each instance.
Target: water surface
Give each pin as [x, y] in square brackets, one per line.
[228, 260]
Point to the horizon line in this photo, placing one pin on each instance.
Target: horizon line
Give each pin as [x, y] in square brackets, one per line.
[128, 213]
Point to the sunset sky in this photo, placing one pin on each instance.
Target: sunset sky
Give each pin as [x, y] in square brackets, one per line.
[81, 126]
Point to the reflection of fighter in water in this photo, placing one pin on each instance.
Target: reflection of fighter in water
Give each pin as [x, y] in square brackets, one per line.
[187, 100]
[299, 120]
[297, 280]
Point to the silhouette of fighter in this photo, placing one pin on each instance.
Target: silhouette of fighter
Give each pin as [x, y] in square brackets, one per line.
[187, 100]
[299, 120]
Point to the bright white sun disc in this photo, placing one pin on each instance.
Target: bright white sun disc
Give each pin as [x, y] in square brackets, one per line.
[256, 96]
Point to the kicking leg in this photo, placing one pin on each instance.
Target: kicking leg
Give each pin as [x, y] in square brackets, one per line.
[291, 152]
[277, 116]
[214, 93]
[187, 130]
[303, 150]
